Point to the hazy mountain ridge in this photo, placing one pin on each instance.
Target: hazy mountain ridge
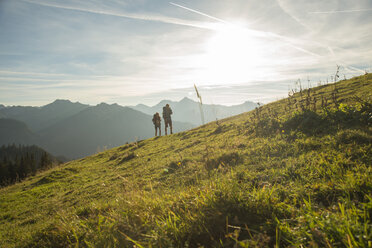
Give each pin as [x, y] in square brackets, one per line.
[16, 132]
[187, 110]
[74, 130]
[38, 118]
[100, 127]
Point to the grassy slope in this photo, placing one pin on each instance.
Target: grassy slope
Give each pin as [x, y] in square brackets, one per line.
[287, 178]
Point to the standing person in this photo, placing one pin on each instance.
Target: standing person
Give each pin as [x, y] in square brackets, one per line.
[167, 111]
[157, 122]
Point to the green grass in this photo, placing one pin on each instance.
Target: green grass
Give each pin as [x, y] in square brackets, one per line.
[279, 176]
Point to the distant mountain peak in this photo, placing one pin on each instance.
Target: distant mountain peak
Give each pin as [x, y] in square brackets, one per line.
[62, 103]
[250, 103]
[186, 100]
[58, 101]
[164, 102]
[106, 106]
[141, 105]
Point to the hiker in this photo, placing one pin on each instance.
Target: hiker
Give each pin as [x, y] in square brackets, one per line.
[157, 121]
[167, 111]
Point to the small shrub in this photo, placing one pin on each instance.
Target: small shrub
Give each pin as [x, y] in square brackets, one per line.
[226, 159]
[352, 137]
[175, 165]
[128, 157]
[267, 126]
[308, 122]
[113, 157]
[219, 129]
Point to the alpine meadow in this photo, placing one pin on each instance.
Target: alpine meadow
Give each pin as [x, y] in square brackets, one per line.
[292, 173]
[185, 124]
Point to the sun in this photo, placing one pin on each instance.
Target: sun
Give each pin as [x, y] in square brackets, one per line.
[233, 54]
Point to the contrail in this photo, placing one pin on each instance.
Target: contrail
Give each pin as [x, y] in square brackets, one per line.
[292, 16]
[200, 13]
[352, 68]
[342, 63]
[284, 39]
[162, 19]
[330, 49]
[253, 32]
[31, 73]
[340, 11]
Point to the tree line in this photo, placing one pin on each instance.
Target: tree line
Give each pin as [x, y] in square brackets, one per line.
[19, 161]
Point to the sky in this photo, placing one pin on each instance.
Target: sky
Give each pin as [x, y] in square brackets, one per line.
[143, 51]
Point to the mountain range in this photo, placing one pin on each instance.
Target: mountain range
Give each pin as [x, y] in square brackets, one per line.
[100, 127]
[188, 110]
[38, 118]
[16, 132]
[75, 130]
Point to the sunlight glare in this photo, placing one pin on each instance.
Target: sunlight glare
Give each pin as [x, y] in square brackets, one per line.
[233, 54]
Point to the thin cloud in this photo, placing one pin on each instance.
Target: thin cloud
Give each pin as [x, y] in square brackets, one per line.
[340, 11]
[153, 63]
[2, 72]
[289, 41]
[30, 75]
[351, 68]
[328, 47]
[144, 17]
[292, 16]
[17, 79]
[199, 12]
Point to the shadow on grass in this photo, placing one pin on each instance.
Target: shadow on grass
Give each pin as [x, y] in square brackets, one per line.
[329, 121]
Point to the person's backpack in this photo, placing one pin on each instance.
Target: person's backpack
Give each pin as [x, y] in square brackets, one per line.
[167, 112]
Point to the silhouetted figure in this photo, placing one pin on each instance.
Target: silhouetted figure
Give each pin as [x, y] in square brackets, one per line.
[157, 123]
[167, 111]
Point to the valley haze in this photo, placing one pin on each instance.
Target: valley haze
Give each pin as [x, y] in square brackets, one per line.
[75, 130]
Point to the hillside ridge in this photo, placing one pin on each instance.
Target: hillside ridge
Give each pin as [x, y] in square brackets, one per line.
[295, 172]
